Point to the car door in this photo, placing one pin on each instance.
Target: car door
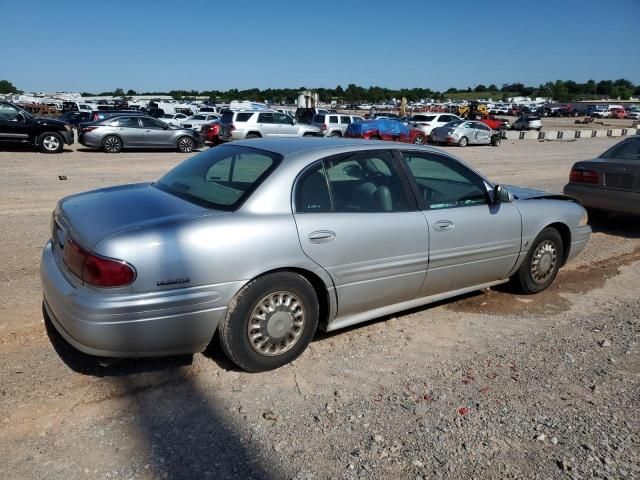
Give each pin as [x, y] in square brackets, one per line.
[267, 126]
[483, 133]
[156, 134]
[285, 125]
[356, 220]
[14, 126]
[128, 129]
[472, 240]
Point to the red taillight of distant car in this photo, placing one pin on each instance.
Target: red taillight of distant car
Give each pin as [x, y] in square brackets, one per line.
[96, 270]
[583, 176]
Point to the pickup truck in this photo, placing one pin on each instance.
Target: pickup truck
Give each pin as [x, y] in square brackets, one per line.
[495, 123]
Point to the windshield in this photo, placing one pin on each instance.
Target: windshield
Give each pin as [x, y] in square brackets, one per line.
[629, 149]
[199, 117]
[454, 124]
[221, 178]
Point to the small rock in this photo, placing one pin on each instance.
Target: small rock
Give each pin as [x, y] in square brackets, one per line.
[384, 454]
[243, 410]
[605, 343]
[62, 177]
[269, 415]
[377, 438]
[587, 446]
[541, 438]
[338, 394]
[554, 440]
[417, 463]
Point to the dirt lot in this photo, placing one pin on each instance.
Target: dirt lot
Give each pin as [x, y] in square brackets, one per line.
[491, 385]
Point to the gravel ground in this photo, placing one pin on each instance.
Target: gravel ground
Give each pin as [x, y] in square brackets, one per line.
[490, 385]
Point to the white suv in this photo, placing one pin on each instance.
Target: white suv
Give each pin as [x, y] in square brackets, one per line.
[262, 123]
[334, 124]
[428, 121]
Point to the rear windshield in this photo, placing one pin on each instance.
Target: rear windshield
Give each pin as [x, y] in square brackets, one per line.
[453, 124]
[318, 119]
[423, 118]
[227, 117]
[221, 178]
[532, 119]
[628, 149]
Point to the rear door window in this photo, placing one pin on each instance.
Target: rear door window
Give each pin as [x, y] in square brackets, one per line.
[243, 117]
[333, 119]
[128, 122]
[265, 118]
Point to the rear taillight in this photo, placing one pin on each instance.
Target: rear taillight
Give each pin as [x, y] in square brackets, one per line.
[88, 129]
[96, 270]
[583, 176]
[323, 127]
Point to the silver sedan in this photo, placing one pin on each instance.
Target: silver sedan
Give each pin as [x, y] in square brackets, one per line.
[463, 133]
[117, 133]
[266, 241]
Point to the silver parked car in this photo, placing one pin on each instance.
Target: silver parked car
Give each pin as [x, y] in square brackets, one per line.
[527, 123]
[465, 132]
[265, 241]
[262, 124]
[610, 182]
[116, 133]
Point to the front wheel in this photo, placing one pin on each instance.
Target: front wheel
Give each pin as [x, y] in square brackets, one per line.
[495, 141]
[185, 144]
[271, 322]
[51, 142]
[463, 142]
[542, 263]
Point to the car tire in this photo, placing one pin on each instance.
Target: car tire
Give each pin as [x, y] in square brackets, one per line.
[419, 140]
[463, 142]
[185, 144]
[335, 134]
[541, 265]
[276, 311]
[111, 144]
[51, 142]
[308, 135]
[495, 141]
[252, 135]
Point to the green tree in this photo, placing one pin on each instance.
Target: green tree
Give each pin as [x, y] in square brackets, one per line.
[118, 92]
[7, 87]
[131, 92]
[480, 88]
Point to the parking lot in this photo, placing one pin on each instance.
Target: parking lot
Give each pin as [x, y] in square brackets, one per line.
[490, 385]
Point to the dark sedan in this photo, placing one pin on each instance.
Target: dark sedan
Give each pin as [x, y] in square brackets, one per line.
[610, 182]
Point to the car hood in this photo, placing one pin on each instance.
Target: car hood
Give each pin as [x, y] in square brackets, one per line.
[50, 121]
[94, 215]
[521, 193]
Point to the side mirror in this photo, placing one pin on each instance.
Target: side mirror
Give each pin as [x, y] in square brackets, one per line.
[502, 195]
[20, 117]
[166, 127]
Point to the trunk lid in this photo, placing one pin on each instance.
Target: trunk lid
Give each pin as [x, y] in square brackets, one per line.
[91, 216]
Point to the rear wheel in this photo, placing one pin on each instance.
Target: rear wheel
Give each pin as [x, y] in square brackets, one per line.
[51, 142]
[335, 134]
[112, 144]
[185, 144]
[542, 263]
[252, 135]
[419, 140]
[463, 142]
[495, 141]
[271, 322]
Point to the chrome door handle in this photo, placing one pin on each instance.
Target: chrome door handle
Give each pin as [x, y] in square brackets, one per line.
[443, 226]
[322, 236]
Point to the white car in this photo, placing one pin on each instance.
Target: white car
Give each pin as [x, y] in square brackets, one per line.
[364, 106]
[634, 115]
[173, 118]
[428, 121]
[196, 121]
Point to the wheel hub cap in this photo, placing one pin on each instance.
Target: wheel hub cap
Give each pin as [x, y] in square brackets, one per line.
[276, 323]
[543, 261]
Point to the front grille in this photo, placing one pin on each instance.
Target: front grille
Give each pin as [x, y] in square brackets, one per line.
[619, 180]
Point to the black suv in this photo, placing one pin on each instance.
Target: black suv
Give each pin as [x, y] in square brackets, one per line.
[46, 134]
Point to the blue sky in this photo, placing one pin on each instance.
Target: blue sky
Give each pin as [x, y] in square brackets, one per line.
[171, 44]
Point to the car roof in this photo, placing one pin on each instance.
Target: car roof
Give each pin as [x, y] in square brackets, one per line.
[294, 146]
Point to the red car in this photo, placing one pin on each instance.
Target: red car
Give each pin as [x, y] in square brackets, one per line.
[210, 133]
[385, 129]
[495, 123]
[618, 113]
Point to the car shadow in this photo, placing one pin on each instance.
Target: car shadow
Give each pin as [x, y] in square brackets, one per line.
[617, 224]
[28, 148]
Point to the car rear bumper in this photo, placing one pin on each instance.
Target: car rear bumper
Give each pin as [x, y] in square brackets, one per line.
[605, 199]
[169, 322]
